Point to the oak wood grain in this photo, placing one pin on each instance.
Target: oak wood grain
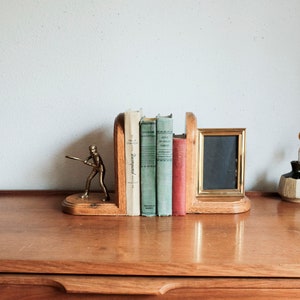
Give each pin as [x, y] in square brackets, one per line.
[191, 159]
[150, 286]
[36, 237]
[43, 251]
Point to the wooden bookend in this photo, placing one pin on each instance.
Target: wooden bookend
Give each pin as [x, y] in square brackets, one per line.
[196, 203]
[119, 154]
[75, 205]
[191, 159]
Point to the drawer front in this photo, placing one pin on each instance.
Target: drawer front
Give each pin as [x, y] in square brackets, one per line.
[118, 287]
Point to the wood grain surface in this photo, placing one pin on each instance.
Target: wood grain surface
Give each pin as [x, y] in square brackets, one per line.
[200, 253]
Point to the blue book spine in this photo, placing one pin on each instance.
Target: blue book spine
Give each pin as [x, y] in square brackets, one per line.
[164, 155]
[148, 166]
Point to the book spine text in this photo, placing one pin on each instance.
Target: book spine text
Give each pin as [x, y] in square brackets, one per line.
[132, 161]
[148, 166]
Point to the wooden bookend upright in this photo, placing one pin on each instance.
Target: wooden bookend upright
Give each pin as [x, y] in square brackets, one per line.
[207, 204]
[75, 205]
[119, 154]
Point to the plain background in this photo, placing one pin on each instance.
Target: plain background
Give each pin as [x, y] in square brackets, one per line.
[69, 67]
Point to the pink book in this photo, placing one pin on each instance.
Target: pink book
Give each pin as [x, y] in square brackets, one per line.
[178, 176]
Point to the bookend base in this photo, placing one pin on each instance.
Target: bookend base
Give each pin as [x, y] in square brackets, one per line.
[220, 205]
[93, 205]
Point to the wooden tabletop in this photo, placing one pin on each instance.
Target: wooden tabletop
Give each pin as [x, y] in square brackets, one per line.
[36, 237]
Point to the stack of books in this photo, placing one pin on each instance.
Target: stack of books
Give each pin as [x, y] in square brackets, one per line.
[155, 166]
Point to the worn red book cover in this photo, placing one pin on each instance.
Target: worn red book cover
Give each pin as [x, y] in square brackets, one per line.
[178, 176]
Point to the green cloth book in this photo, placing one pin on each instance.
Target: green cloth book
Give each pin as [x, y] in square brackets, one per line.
[164, 148]
[148, 166]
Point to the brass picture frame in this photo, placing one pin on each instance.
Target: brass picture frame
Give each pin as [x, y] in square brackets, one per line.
[212, 196]
[221, 162]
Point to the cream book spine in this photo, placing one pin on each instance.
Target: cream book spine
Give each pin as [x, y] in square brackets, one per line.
[132, 161]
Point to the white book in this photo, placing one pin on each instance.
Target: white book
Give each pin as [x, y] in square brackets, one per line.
[132, 161]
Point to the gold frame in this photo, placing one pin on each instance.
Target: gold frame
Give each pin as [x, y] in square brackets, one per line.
[240, 133]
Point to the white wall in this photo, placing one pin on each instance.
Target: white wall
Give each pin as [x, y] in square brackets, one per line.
[68, 67]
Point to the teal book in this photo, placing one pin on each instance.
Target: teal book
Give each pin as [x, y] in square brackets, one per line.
[148, 166]
[164, 155]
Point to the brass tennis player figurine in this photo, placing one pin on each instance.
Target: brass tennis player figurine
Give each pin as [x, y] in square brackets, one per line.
[97, 168]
